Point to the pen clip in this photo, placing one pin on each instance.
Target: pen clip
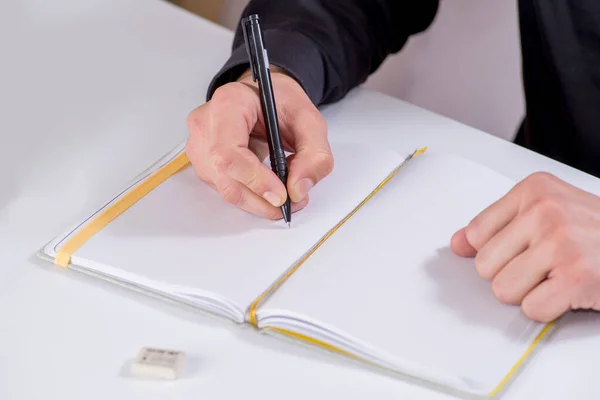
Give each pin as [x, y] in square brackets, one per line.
[249, 47]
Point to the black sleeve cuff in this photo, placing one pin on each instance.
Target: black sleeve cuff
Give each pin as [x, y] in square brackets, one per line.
[292, 51]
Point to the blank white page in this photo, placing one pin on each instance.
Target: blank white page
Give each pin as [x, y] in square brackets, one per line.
[183, 233]
[389, 279]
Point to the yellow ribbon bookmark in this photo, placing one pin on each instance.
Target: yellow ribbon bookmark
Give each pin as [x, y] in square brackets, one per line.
[63, 258]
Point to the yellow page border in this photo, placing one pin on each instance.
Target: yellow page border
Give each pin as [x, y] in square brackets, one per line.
[513, 371]
[63, 257]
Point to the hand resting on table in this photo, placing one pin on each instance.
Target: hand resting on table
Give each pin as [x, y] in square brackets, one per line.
[540, 247]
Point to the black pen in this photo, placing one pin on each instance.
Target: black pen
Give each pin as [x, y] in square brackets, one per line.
[259, 65]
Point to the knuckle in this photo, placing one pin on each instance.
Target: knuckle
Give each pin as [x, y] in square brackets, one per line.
[553, 246]
[319, 123]
[482, 265]
[233, 93]
[192, 121]
[549, 206]
[549, 211]
[311, 116]
[533, 310]
[324, 161]
[560, 239]
[503, 292]
[535, 185]
[473, 233]
[237, 100]
[220, 160]
[256, 178]
[539, 181]
[232, 195]
[192, 149]
[256, 183]
[196, 124]
[196, 143]
[253, 180]
[536, 309]
[226, 92]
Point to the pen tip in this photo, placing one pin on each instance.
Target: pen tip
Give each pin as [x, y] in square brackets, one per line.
[289, 224]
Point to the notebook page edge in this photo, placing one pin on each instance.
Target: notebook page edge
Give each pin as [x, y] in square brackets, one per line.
[325, 335]
[311, 344]
[298, 326]
[227, 310]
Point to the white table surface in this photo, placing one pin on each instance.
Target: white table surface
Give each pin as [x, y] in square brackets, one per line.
[91, 93]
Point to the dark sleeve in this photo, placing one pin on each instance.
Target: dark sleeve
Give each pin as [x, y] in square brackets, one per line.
[329, 46]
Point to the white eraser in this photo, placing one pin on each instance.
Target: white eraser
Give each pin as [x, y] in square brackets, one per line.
[158, 363]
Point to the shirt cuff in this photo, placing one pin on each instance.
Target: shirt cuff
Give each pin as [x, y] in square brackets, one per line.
[293, 52]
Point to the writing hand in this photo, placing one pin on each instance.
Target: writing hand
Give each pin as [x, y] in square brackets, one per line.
[227, 136]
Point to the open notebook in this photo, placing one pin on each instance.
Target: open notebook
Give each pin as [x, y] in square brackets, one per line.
[365, 270]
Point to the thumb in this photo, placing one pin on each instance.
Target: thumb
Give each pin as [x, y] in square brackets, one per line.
[313, 159]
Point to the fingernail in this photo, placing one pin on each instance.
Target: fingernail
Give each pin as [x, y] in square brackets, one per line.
[272, 198]
[303, 186]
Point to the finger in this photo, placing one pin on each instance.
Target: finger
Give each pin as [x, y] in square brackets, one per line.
[234, 113]
[493, 219]
[504, 246]
[548, 301]
[242, 165]
[240, 196]
[522, 274]
[298, 206]
[313, 159]
[460, 245]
